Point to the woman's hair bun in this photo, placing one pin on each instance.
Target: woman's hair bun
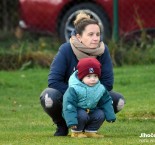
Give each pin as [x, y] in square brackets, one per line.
[81, 16]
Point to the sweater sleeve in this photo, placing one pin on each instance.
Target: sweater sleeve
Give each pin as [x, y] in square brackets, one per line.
[58, 68]
[107, 76]
[70, 107]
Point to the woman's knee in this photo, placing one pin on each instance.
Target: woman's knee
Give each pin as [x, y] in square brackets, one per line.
[50, 98]
[120, 105]
[118, 101]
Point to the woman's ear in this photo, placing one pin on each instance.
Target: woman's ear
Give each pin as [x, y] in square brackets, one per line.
[78, 37]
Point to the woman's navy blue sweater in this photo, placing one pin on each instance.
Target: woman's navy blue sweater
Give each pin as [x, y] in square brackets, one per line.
[65, 62]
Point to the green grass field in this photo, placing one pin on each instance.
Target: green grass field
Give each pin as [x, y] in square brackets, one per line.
[23, 122]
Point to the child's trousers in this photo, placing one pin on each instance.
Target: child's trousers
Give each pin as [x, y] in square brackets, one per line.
[89, 122]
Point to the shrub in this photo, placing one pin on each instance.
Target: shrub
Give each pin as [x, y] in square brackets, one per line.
[12, 61]
[133, 52]
[26, 52]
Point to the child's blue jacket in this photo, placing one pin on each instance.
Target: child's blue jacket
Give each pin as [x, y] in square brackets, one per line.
[79, 95]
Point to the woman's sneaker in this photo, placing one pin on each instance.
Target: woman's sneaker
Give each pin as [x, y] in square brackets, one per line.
[61, 131]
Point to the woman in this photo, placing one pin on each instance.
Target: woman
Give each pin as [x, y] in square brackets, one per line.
[84, 42]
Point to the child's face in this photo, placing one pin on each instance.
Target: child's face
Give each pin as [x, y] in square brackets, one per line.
[90, 79]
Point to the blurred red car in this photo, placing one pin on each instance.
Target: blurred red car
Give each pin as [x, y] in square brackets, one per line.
[56, 16]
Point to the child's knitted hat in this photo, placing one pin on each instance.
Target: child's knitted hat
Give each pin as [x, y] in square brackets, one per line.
[87, 66]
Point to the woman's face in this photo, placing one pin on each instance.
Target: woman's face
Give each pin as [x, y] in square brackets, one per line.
[90, 36]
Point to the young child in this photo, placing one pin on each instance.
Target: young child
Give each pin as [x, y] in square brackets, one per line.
[86, 103]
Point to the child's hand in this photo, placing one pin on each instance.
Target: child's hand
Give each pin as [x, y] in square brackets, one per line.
[73, 127]
[111, 121]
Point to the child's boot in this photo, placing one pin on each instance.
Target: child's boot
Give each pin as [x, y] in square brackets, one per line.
[93, 134]
[78, 134]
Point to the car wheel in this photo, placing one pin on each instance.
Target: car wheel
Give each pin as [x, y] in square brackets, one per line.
[66, 25]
